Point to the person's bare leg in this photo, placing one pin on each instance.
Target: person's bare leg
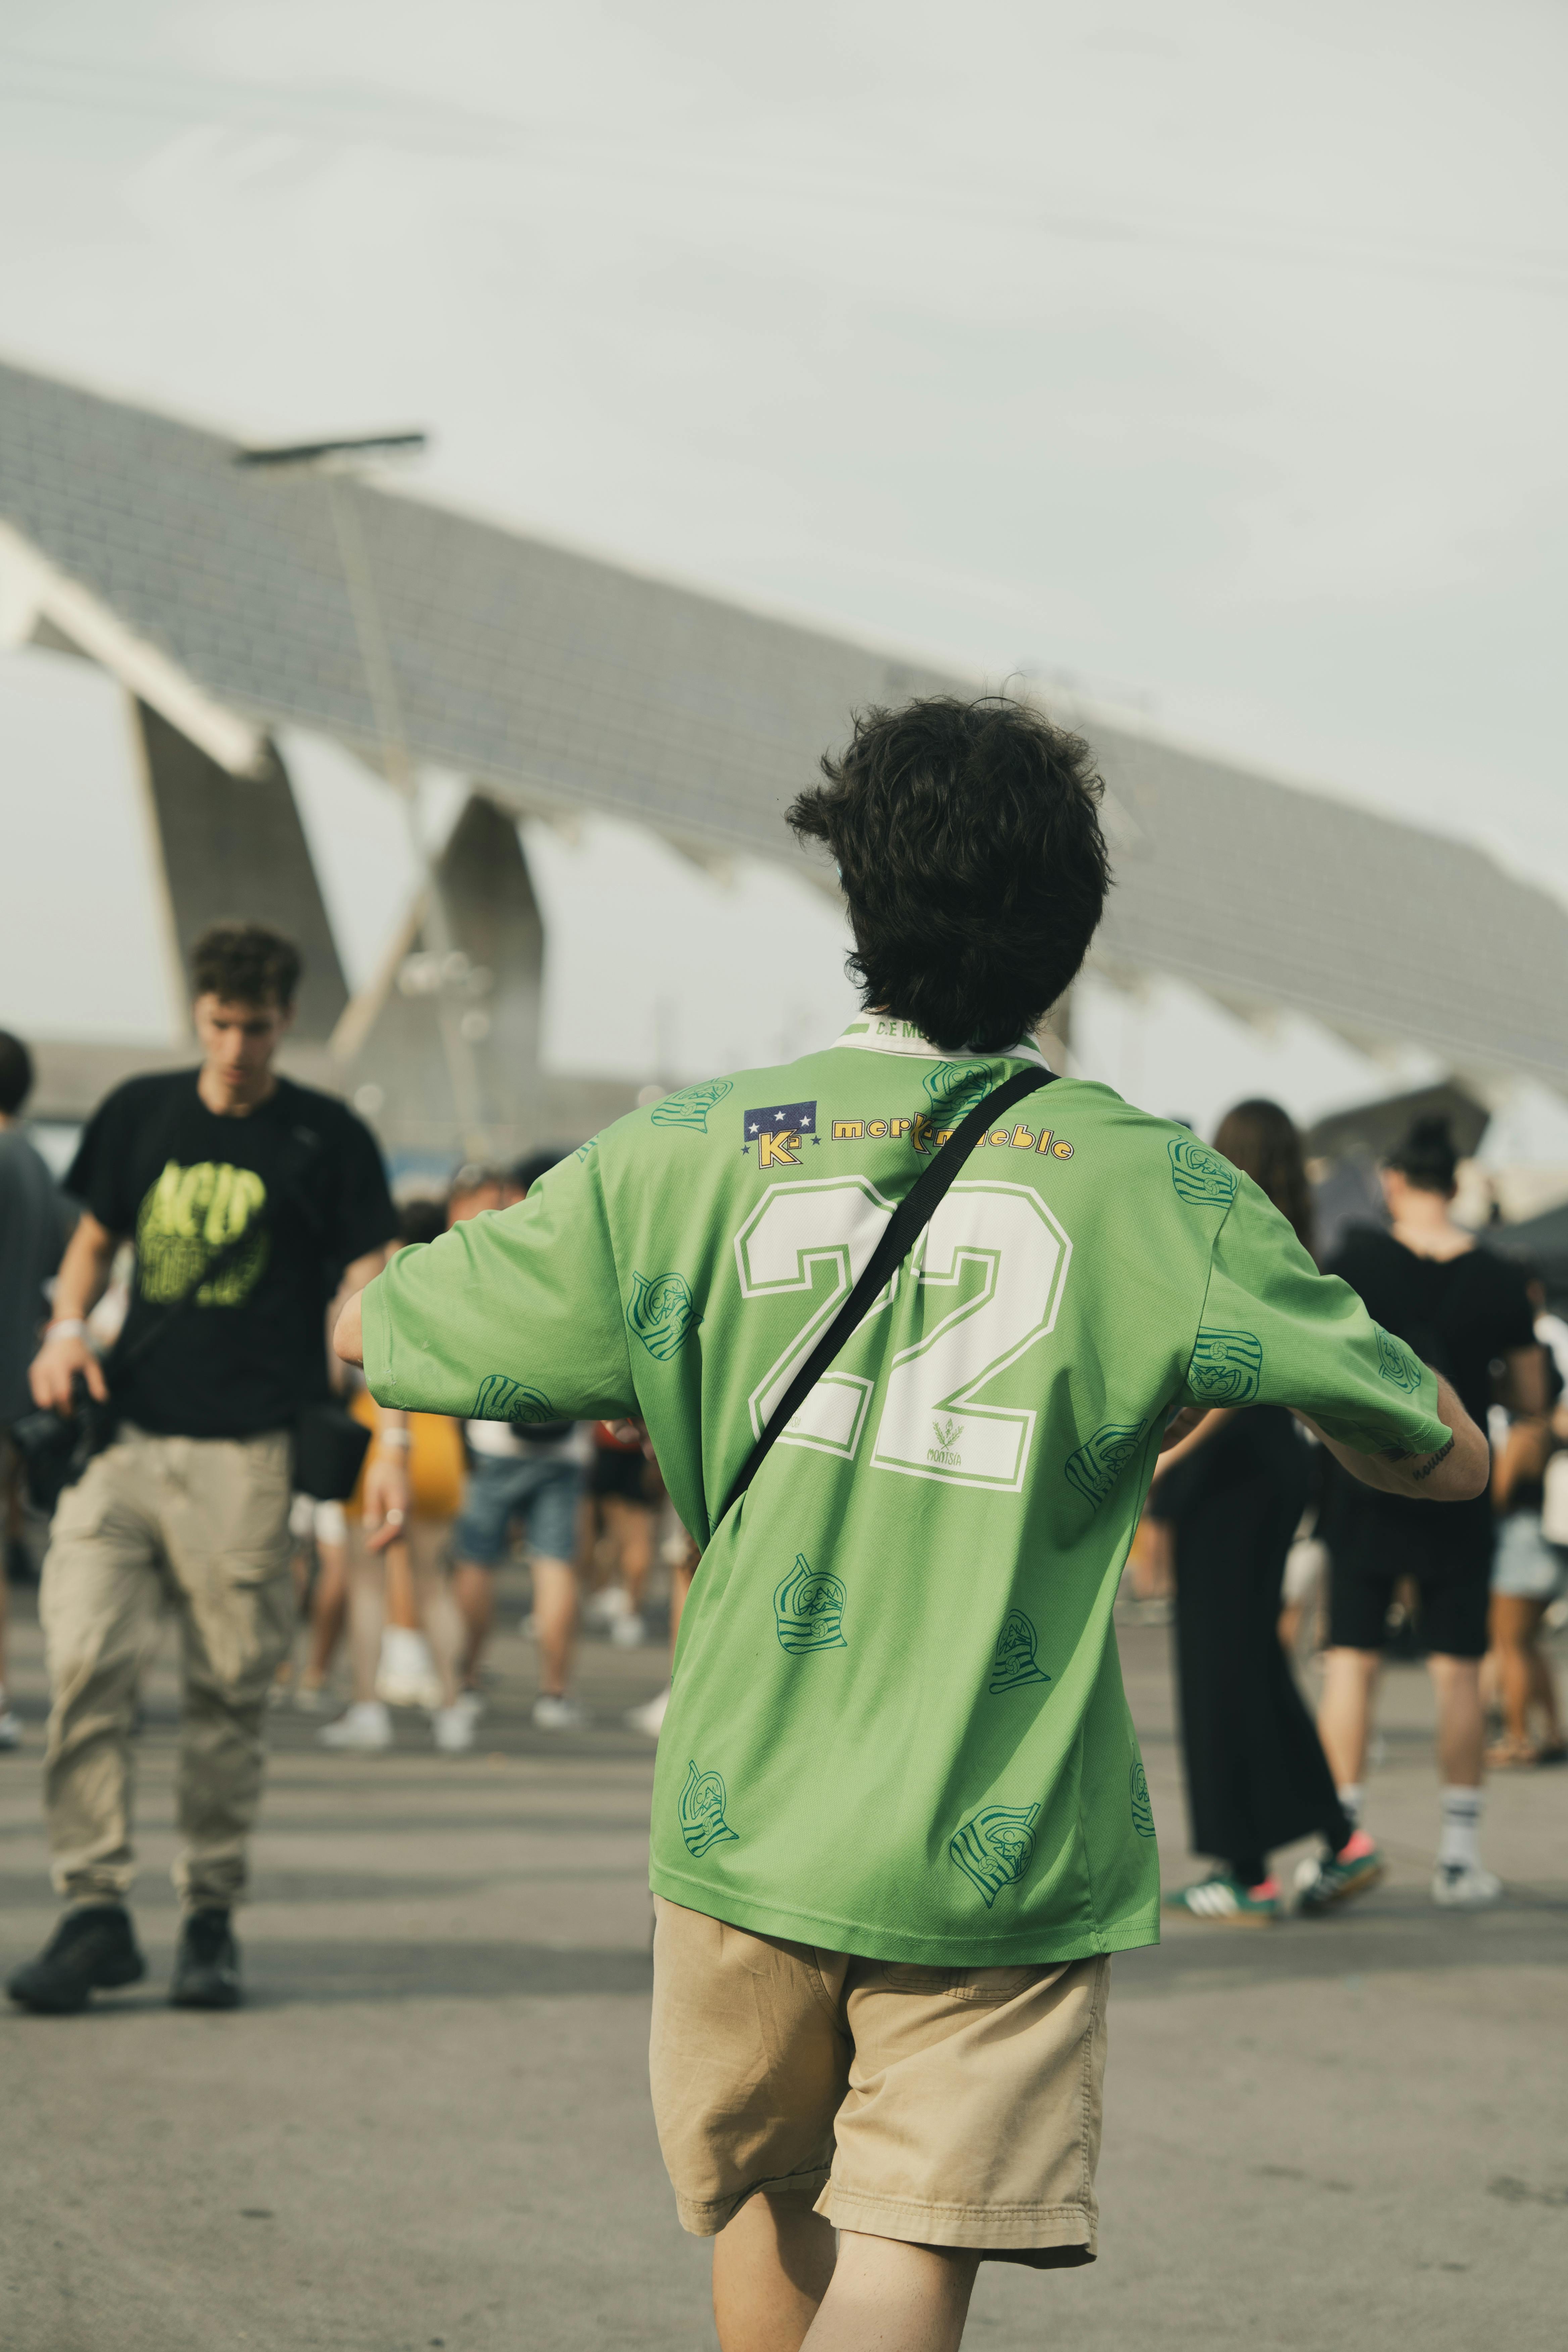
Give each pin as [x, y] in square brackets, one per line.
[1542, 1681]
[1344, 1712]
[474, 1590]
[367, 1615]
[1512, 1628]
[886, 2296]
[401, 1609]
[771, 2268]
[1460, 1724]
[631, 1524]
[328, 1612]
[439, 1615]
[554, 1621]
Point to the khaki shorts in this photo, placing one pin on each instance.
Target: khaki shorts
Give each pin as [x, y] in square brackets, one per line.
[944, 2106]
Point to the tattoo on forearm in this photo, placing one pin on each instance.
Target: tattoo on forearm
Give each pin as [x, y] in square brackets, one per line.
[1426, 1467]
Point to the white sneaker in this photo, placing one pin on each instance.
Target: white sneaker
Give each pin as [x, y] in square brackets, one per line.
[472, 1704]
[10, 1728]
[453, 1728]
[649, 1719]
[605, 1607]
[558, 1714]
[1463, 1887]
[407, 1675]
[366, 1725]
[630, 1631]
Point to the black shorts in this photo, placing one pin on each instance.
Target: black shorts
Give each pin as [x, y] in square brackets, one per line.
[623, 1477]
[1445, 1547]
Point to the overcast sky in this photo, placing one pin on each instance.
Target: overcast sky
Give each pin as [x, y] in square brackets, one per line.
[1210, 358]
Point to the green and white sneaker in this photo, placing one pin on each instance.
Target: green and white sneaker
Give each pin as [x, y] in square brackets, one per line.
[1225, 1903]
[1325, 1880]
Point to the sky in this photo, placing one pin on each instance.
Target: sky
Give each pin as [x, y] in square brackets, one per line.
[1206, 360]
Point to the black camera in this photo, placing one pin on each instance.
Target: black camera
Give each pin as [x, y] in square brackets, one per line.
[56, 1448]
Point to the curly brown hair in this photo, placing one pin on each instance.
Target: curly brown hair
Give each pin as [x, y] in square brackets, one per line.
[246, 963]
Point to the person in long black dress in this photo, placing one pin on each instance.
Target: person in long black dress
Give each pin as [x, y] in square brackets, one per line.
[1233, 1497]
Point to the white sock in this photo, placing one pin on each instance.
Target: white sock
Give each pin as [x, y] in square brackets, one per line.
[1460, 1843]
[1349, 1798]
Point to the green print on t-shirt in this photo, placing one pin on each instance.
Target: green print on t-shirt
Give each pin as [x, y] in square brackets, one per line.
[1227, 1368]
[996, 1847]
[1101, 1460]
[1201, 1176]
[1396, 1362]
[186, 1217]
[661, 1312]
[1143, 1810]
[501, 1399]
[808, 1610]
[1016, 1663]
[691, 1106]
[702, 1803]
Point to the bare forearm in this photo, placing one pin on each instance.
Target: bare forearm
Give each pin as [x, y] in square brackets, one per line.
[1455, 1473]
[84, 1271]
[348, 1332]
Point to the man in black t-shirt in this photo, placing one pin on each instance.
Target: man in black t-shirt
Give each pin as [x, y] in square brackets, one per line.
[1465, 1312]
[249, 1201]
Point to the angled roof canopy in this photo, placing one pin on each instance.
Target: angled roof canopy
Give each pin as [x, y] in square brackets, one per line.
[554, 679]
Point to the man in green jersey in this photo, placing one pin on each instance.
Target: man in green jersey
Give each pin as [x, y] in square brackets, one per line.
[899, 1819]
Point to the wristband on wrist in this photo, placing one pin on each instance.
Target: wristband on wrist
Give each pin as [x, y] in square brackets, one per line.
[398, 1440]
[69, 1326]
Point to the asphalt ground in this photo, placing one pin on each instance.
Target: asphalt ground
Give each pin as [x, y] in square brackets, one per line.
[429, 2126]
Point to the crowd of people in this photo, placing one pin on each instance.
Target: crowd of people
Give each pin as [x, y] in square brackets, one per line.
[911, 1561]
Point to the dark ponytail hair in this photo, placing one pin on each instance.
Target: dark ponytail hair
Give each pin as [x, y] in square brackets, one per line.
[1427, 1157]
[1261, 1139]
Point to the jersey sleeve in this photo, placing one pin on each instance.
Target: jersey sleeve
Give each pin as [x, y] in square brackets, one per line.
[512, 1316]
[1276, 1331]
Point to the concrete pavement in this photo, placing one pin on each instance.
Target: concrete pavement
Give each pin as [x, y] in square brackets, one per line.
[429, 2127]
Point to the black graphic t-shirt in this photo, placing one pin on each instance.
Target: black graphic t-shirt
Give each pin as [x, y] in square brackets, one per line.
[299, 1174]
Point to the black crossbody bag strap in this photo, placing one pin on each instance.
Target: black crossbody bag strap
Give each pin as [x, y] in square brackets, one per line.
[903, 1229]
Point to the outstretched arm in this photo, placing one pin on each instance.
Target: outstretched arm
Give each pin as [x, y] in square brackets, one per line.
[1453, 1473]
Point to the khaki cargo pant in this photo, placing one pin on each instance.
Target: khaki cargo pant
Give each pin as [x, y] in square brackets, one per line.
[204, 1524]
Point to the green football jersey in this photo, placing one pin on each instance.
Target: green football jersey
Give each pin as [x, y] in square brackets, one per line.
[897, 1726]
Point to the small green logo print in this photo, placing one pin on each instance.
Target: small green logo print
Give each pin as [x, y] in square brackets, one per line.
[809, 1608]
[954, 1088]
[1097, 1467]
[1201, 1176]
[501, 1399]
[995, 1848]
[702, 1802]
[662, 1312]
[691, 1105]
[1227, 1368]
[1395, 1361]
[1143, 1810]
[1016, 1663]
[584, 1149]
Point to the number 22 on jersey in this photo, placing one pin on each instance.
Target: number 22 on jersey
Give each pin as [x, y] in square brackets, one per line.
[988, 1273]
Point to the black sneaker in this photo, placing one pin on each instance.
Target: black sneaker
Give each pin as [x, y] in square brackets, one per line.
[206, 1966]
[93, 1948]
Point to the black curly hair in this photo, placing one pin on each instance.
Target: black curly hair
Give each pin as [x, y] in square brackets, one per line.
[968, 842]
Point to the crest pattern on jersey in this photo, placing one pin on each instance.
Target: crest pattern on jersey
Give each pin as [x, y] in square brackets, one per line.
[996, 1847]
[1016, 1663]
[1143, 1810]
[808, 1609]
[501, 1399]
[1396, 1363]
[1199, 1176]
[661, 1313]
[702, 1804]
[689, 1106]
[1097, 1466]
[1227, 1368]
[957, 1087]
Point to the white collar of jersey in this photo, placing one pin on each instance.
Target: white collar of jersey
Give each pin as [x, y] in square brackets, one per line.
[877, 1033]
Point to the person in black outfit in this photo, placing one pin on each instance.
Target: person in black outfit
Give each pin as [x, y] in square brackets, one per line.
[248, 1198]
[1465, 1312]
[1233, 1495]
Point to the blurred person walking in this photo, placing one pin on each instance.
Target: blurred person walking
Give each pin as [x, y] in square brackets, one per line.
[525, 1469]
[1527, 1578]
[1234, 1492]
[245, 1192]
[622, 1484]
[35, 1225]
[1461, 1308]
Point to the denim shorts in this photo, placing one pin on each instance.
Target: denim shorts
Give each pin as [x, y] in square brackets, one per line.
[542, 1495]
[1526, 1567]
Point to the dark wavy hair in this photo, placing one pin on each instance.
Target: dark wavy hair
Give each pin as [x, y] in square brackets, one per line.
[246, 963]
[968, 842]
[1427, 1157]
[1262, 1140]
